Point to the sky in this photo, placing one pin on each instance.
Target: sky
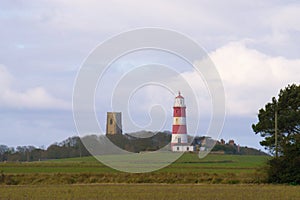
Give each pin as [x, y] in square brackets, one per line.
[253, 44]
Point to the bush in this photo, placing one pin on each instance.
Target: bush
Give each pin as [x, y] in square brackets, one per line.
[284, 170]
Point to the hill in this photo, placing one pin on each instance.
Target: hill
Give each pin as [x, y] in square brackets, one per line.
[133, 142]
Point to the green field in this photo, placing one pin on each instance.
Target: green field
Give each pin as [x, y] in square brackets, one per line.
[189, 162]
[214, 177]
[187, 169]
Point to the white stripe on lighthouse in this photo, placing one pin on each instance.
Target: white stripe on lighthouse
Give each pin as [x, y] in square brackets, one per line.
[179, 121]
[179, 138]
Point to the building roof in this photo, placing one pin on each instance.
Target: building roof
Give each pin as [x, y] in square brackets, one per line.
[179, 95]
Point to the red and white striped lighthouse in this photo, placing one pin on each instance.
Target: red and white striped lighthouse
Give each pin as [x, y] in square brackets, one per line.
[179, 130]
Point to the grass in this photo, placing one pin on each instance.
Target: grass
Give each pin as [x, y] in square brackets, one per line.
[150, 191]
[187, 178]
[189, 168]
[217, 163]
[185, 164]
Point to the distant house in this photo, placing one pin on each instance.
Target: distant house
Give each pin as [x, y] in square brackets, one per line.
[231, 142]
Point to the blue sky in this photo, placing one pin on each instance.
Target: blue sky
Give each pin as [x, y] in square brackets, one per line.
[253, 44]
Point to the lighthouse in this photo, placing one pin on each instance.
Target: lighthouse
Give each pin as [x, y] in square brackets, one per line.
[179, 140]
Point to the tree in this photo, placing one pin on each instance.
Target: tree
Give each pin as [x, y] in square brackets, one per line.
[288, 111]
[285, 169]
[285, 112]
[3, 150]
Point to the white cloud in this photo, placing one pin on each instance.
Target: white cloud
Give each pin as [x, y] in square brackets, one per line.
[251, 77]
[32, 98]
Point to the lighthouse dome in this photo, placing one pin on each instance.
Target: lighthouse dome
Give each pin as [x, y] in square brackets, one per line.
[179, 101]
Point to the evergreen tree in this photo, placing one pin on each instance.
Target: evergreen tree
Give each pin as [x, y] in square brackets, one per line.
[285, 112]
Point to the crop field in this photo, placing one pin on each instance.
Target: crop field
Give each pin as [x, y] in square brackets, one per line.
[151, 191]
[187, 169]
[214, 177]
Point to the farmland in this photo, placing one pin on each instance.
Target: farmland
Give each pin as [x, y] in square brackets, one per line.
[151, 191]
[187, 169]
[214, 177]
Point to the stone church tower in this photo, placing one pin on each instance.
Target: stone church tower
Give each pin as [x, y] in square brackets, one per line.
[114, 123]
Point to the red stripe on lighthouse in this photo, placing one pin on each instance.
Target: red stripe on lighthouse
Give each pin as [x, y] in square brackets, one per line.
[179, 129]
[179, 112]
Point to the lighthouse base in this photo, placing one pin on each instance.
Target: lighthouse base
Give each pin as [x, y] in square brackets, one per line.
[182, 148]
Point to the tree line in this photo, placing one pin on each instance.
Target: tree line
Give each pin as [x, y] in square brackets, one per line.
[74, 147]
[132, 142]
[71, 147]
